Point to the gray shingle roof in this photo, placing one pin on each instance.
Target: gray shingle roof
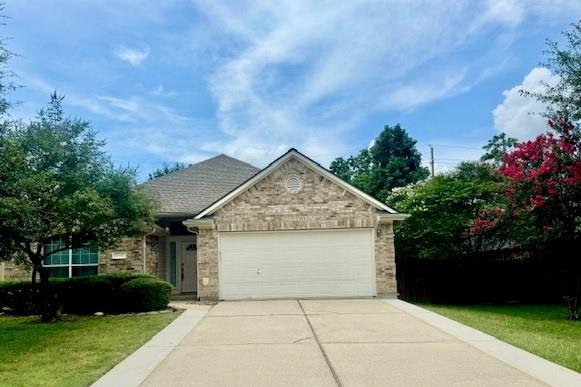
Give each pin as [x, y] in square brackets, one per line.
[190, 190]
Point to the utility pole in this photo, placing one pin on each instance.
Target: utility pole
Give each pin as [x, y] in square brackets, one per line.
[432, 160]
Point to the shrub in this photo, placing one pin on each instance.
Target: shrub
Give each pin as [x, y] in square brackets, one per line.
[87, 295]
[144, 294]
[19, 297]
[118, 279]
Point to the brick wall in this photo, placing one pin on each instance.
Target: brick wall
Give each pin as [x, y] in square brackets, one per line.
[132, 263]
[320, 204]
[207, 258]
[9, 271]
[133, 247]
[386, 284]
[153, 250]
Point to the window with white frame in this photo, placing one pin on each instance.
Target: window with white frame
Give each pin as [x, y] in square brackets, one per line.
[70, 262]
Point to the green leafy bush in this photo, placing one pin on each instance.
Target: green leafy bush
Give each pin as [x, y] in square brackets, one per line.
[145, 294]
[118, 279]
[86, 295]
[19, 297]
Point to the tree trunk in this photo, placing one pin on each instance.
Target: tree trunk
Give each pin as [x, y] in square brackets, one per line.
[572, 276]
[48, 307]
[572, 301]
[34, 271]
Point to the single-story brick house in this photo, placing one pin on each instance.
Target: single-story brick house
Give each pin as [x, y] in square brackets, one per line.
[227, 230]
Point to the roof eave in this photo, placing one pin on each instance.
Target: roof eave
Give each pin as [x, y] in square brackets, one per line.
[387, 218]
[175, 214]
[205, 223]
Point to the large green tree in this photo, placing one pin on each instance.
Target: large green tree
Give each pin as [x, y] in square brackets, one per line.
[543, 175]
[497, 148]
[442, 211]
[57, 181]
[166, 169]
[544, 185]
[392, 161]
[563, 99]
[356, 170]
[6, 75]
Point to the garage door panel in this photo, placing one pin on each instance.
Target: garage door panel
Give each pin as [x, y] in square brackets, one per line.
[296, 264]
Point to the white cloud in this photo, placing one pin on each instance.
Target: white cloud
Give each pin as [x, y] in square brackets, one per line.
[418, 93]
[303, 71]
[160, 91]
[510, 12]
[519, 116]
[132, 56]
[139, 123]
[137, 109]
[298, 73]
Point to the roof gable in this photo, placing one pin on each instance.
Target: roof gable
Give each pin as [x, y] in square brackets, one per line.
[292, 153]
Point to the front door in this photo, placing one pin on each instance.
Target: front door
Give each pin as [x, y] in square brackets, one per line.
[188, 266]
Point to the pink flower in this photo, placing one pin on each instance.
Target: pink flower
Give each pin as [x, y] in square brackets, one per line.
[537, 201]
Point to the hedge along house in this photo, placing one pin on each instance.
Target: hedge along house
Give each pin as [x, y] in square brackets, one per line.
[226, 230]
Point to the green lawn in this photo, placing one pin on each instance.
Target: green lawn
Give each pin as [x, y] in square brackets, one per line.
[74, 351]
[539, 329]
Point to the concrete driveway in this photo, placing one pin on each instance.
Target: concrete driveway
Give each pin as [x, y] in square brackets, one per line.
[325, 343]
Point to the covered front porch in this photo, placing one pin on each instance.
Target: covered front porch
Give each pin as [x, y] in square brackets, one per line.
[178, 258]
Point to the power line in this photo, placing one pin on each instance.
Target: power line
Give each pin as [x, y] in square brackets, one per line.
[445, 159]
[451, 146]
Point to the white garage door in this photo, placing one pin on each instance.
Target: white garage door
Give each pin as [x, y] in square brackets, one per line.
[297, 264]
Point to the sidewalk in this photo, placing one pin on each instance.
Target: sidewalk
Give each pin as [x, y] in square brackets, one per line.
[535, 366]
[136, 367]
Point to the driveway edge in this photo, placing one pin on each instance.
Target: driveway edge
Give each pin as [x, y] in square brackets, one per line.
[535, 366]
[135, 368]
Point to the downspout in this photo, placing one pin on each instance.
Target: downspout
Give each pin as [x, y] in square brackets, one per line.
[144, 249]
[193, 226]
[193, 231]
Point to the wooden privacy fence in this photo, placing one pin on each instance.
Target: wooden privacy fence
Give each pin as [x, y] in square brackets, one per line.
[480, 279]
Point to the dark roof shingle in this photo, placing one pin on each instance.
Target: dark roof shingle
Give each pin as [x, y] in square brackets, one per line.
[190, 190]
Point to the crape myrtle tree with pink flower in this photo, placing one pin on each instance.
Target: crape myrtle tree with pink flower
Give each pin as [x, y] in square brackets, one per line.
[521, 200]
[543, 191]
[543, 175]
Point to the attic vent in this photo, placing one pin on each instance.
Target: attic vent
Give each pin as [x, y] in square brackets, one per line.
[293, 185]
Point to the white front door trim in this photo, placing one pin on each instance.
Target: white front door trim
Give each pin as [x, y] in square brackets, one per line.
[179, 240]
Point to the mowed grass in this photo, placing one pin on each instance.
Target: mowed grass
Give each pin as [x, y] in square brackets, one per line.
[74, 351]
[540, 329]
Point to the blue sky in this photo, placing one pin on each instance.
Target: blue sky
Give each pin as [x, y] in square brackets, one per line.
[180, 80]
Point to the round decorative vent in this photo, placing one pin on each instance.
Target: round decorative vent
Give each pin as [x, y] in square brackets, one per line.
[293, 184]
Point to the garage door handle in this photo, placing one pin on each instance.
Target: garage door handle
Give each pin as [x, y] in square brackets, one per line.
[257, 271]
